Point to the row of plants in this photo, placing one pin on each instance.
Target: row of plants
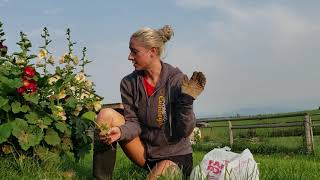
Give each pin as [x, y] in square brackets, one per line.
[46, 103]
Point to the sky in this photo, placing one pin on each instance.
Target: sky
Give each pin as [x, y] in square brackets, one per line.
[258, 56]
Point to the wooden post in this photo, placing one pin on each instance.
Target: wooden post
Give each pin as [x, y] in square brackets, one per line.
[311, 133]
[230, 134]
[308, 135]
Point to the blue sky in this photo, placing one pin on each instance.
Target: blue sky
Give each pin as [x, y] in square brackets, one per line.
[258, 56]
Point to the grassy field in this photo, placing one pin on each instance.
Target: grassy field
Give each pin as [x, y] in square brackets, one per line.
[280, 166]
[277, 157]
[277, 166]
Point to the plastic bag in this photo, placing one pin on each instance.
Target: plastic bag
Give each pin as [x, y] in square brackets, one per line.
[221, 164]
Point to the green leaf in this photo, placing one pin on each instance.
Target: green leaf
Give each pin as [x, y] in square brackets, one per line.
[6, 108]
[43, 81]
[34, 98]
[15, 83]
[16, 107]
[27, 135]
[5, 132]
[12, 83]
[47, 120]
[18, 125]
[43, 122]
[68, 132]
[30, 137]
[71, 102]
[25, 108]
[4, 79]
[18, 53]
[32, 117]
[16, 71]
[59, 71]
[61, 126]
[52, 137]
[58, 85]
[89, 116]
[3, 101]
[31, 56]
[44, 103]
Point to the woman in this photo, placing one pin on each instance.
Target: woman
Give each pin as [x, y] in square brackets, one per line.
[158, 111]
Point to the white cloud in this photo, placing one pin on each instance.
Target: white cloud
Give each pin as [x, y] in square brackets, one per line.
[54, 11]
[3, 3]
[275, 21]
[261, 56]
[197, 4]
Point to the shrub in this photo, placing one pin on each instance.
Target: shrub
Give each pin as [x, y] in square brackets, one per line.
[45, 113]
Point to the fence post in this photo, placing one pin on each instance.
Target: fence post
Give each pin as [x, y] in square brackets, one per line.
[230, 134]
[311, 133]
[308, 134]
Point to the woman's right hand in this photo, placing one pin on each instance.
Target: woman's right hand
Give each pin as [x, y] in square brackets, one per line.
[113, 135]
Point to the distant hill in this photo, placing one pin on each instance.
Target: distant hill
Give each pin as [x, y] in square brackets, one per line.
[253, 111]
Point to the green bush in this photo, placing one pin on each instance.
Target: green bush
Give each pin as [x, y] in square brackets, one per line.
[45, 113]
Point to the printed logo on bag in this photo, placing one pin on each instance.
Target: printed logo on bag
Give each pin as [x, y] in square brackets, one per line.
[216, 166]
[162, 113]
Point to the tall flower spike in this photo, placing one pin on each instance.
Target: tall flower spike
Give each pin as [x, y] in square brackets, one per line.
[43, 53]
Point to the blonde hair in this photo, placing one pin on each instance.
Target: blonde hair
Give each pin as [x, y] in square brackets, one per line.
[154, 37]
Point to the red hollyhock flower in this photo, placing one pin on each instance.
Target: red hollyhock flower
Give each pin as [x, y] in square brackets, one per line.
[3, 49]
[29, 85]
[29, 71]
[25, 82]
[32, 87]
[21, 90]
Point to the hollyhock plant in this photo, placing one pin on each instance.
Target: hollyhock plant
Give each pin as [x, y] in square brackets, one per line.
[45, 107]
[29, 71]
[3, 49]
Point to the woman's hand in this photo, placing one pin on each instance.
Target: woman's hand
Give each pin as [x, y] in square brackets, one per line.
[113, 135]
[195, 85]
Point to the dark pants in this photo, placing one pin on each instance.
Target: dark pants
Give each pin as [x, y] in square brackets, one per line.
[185, 163]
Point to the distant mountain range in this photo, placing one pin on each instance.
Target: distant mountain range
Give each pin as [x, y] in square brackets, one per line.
[252, 111]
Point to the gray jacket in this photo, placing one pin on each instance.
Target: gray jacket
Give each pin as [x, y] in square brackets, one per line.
[164, 120]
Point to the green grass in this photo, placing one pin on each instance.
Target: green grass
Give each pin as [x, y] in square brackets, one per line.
[276, 166]
[291, 167]
[277, 157]
[28, 168]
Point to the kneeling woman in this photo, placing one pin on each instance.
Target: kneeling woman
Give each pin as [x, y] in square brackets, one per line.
[158, 108]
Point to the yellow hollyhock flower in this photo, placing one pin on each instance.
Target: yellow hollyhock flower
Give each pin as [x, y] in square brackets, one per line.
[84, 96]
[51, 60]
[58, 111]
[62, 94]
[42, 54]
[97, 105]
[62, 58]
[76, 113]
[53, 79]
[73, 89]
[78, 108]
[80, 77]
[89, 83]
[58, 108]
[20, 61]
[76, 60]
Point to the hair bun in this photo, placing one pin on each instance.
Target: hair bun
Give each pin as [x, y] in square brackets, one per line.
[166, 32]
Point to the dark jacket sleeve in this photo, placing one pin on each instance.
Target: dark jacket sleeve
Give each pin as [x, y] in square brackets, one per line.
[183, 115]
[131, 128]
